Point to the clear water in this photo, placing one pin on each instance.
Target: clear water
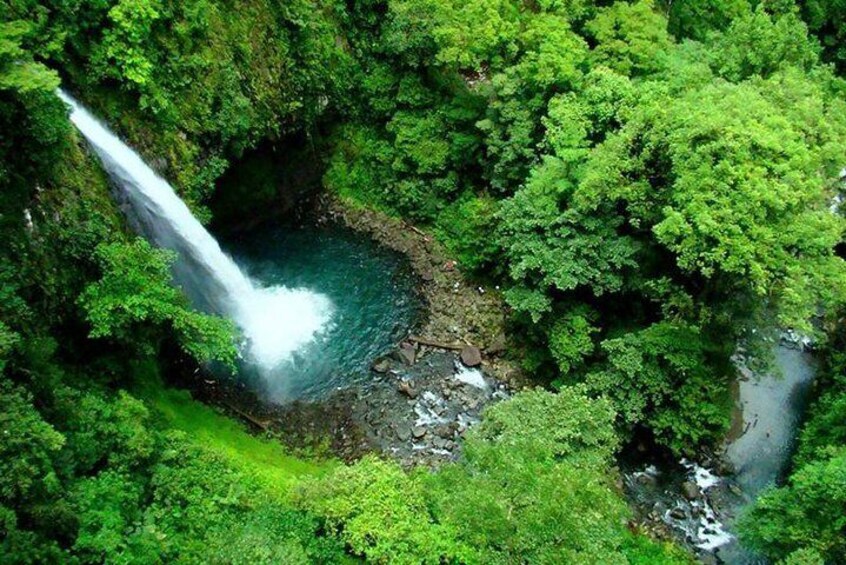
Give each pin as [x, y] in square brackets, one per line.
[372, 291]
[771, 407]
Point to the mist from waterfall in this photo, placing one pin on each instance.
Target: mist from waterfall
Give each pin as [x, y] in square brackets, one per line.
[276, 321]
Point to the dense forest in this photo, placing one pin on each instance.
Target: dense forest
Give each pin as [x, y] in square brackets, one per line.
[654, 185]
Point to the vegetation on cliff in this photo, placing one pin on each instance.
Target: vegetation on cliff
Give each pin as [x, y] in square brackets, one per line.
[652, 184]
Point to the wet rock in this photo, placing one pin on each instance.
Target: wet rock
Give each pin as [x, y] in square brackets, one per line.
[471, 356]
[405, 388]
[678, 513]
[407, 353]
[444, 432]
[690, 490]
[646, 479]
[440, 442]
[404, 434]
[381, 366]
[725, 467]
[707, 558]
[418, 432]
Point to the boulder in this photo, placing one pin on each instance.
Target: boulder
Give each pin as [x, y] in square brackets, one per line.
[707, 558]
[405, 388]
[381, 366]
[646, 479]
[678, 513]
[404, 434]
[471, 356]
[418, 432]
[407, 353]
[725, 467]
[444, 431]
[691, 490]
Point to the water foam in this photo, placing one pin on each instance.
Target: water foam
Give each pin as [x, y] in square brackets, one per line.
[278, 321]
[275, 321]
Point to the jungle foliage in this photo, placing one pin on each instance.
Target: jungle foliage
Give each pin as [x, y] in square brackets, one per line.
[652, 184]
[658, 183]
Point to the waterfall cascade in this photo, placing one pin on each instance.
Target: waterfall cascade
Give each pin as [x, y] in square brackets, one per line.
[275, 321]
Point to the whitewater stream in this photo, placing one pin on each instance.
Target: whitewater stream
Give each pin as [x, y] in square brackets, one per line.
[699, 503]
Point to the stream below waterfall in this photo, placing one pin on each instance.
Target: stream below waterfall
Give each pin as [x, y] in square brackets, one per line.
[699, 504]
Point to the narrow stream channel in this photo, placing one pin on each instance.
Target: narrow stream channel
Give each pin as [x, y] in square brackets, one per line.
[701, 504]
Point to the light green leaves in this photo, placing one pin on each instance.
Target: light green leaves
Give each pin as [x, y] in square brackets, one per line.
[135, 289]
[18, 71]
[631, 38]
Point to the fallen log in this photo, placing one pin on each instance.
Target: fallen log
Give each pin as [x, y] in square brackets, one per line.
[263, 424]
[418, 231]
[436, 343]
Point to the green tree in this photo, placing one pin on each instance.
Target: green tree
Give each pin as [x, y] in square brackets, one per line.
[807, 513]
[631, 38]
[18, 72]
[571, 339]
[28, 449]
[135, 292]
[107, 506]
[534, 483]
[706, 174]
[124, 50]
[759, 43]
[659, 377]
[826, 19]
[550, 249]
[698, 19]
[381, 512]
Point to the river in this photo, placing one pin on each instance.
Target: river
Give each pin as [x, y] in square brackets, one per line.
[700, 504]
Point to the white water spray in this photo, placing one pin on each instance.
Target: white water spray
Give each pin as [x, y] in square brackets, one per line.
[276, 321]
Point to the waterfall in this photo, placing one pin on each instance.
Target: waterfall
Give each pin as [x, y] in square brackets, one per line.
[275, 321]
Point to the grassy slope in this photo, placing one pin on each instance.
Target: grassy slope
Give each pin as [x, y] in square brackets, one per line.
[217, 432]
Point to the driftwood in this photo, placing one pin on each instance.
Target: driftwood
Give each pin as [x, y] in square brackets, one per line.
[263, 424]
[418, 231]
[436, 343]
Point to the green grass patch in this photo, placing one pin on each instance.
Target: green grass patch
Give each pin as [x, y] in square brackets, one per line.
[212, 430]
